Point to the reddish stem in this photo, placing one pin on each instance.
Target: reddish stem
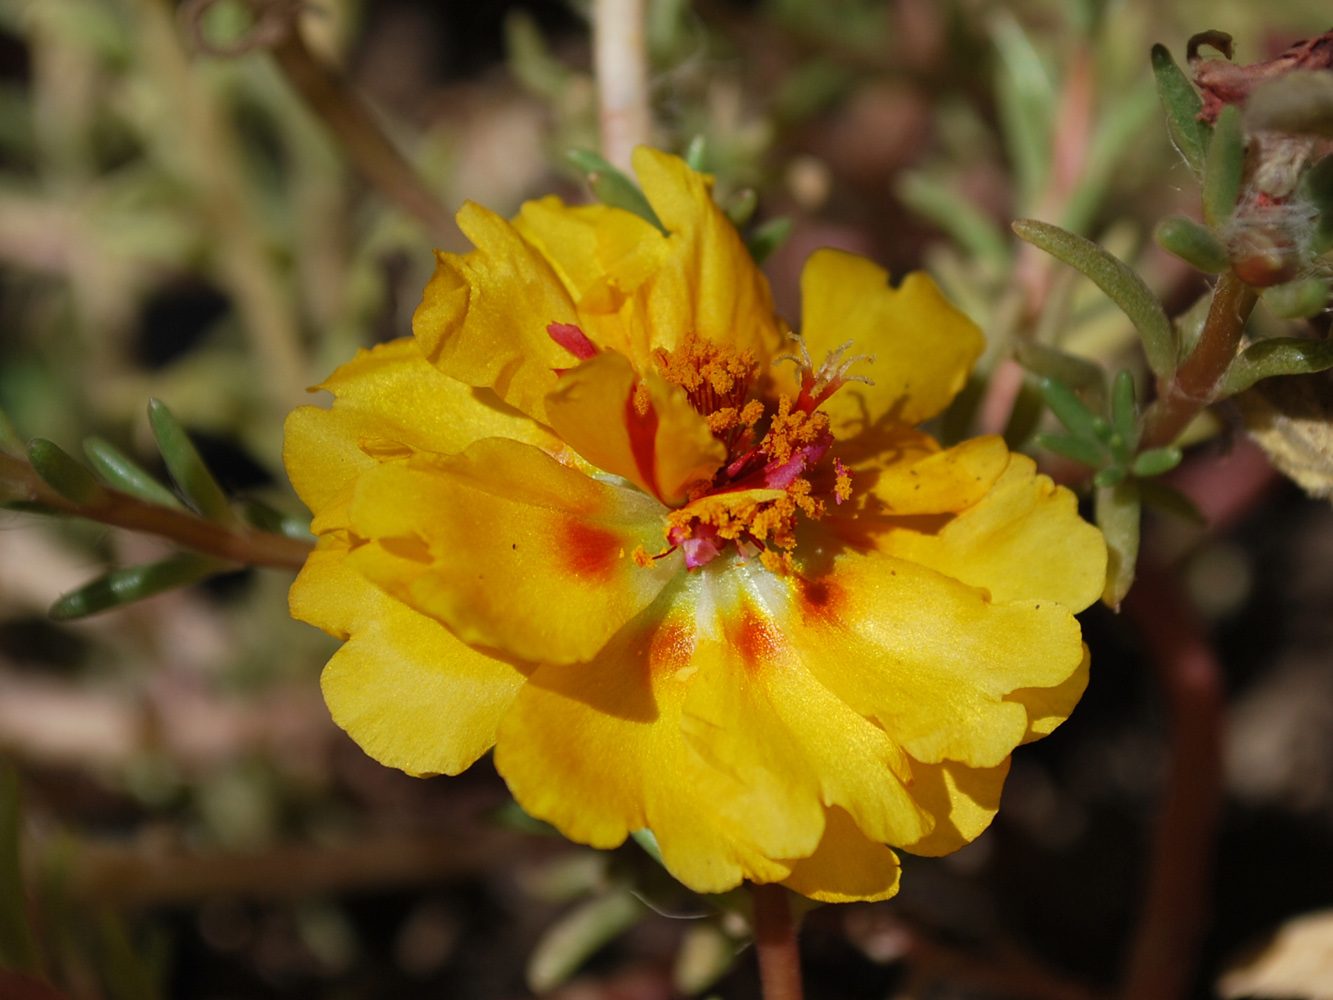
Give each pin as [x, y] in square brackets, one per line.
[775, 943]
[1162, 961]
[1191, 388]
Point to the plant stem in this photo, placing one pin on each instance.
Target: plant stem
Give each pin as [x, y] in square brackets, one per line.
[775, 943]
[244, 545]
[620, 61]
[1191, 388]
[1166, 942]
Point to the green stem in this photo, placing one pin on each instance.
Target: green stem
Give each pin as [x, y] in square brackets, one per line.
[1192, 386]
[238, 544]
[775, 943]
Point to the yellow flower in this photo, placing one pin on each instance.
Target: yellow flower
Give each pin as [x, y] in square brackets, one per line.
[592, 517]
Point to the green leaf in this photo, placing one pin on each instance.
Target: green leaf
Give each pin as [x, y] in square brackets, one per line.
[530, 60]
[1182, 104]
[573, 939]
[1076, 372]
[1026, 103]
[1317, 186]
[18, 946]
[1118, 514]
[646, 839]
[1077, 448]
[1114, 277]
[1024, 415]
[696, 153]
[63, 474]
[1192, 243]
[1156, 461]
[1115, 138]
[9, 437]
[740, 207]
[266, 518]
[766, 238]
[1124, 412]
[1112, 475]
[186, 466]
[1070, 410]
[134, 583]
[128, 975]
[123, 474]
[1300, 299]
[969, 227]
[611, 187]
[1277, 356]
[1223, 172]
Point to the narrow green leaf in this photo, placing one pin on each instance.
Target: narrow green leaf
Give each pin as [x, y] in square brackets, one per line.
[971, 228]
[1182, 105]
[1159, 496]
[1300, 299]
[1070, 410]
[1278, 356]
[696, 153]
[128, 975]
[266, 518]
[1076, 372]
[1026, 103]
[573, 939]
[1118, 511]
[740, 207]
[18, 946]
[611, 187]
[1112, 475]
[125, 475]
[186, 466]
[766, 238]
[1156, 461]
[1226, 164]
[1114, 277]
[1317, 186]
[1124, 412]
[646, 839]
[1194, 244]
[1077, 448]
[134, 583]
[1024, 415]
[63, 474]
[1116, 138]
[9, 437]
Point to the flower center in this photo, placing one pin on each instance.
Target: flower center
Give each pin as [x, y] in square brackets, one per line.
[757, 497]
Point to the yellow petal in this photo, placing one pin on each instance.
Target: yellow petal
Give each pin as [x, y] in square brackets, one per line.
[950, 480]
[1023, 541]
[929, 658]
[1048, 707]
[390, 401]
[483, 317]
[924, 348]
[708, 284]
[509, 548]
[596, 749]
[848, 867]
[409, 692]
[662, 451]
[962, 799]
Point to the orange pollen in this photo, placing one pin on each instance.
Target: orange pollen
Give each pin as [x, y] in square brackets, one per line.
[641, 557]
[791, 430]
[714, 376]
[643, 399]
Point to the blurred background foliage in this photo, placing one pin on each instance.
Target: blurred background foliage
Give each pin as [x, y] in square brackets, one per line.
[176, 223]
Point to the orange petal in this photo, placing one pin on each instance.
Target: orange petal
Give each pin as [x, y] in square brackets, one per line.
[483, 317]
[407, 690]
[509, 548]
[924, 348]
[662, 451]
[389, 402]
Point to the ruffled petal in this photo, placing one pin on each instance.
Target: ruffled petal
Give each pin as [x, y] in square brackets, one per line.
[596, 749]
[962, 799]
[389, 402]
[662, 450]
[1022, 541]
[708, 284]
[930, 659]
[408, 691]
[924, 348]
[947, 481]
[483, 316]
[509, 548]
[848, 867]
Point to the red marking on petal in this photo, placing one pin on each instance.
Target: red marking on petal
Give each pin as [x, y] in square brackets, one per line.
[822, 600]
[572, 339]
[670, 647]
[757, 638]
[591, 553]
[643, 441]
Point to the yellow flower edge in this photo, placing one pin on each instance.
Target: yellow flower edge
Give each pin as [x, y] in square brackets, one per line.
[591, 516]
